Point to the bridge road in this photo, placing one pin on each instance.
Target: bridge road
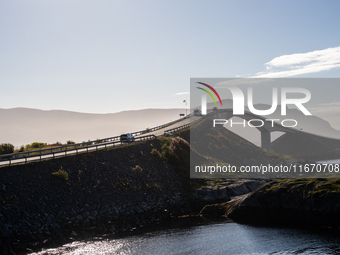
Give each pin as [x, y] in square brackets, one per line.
[157, 133]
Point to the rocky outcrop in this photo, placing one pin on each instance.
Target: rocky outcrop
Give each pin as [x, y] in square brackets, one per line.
[226, 190]
[313, 202]
[217, 191]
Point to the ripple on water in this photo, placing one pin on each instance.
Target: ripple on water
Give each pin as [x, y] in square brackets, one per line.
[221, 238]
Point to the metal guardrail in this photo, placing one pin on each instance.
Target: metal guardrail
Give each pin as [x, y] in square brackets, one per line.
[180, 127]
[158, 127]
[83, 145]
[32, 156]
[176, 128]
[71, 149]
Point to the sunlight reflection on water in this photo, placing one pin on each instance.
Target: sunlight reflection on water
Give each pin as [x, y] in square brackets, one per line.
[222, 238]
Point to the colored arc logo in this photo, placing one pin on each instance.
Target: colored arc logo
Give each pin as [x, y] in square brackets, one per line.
[212, 89]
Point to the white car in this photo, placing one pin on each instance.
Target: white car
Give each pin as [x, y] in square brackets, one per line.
[127, 138]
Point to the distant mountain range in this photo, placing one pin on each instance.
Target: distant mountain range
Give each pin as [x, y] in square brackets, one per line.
[312, 124]
[21, 126]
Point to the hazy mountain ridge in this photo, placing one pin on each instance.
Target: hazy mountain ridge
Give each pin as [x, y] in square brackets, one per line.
[311, 124]
[25, 125]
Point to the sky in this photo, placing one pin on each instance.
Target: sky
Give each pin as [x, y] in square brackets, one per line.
[107, 56]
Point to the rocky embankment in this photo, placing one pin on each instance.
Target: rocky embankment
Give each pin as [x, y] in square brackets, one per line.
[311, 202]
[106, 192]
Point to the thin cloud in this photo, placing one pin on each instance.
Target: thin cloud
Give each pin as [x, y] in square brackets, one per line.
[181, 93]
[302, 63]
[241, 81]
